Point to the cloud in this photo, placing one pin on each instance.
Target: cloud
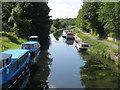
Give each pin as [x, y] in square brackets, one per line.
[64, 8]
[63, 11]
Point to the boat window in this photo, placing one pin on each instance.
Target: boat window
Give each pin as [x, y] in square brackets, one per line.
[15, 66]
[8, 61]
[35, 46]
[23, 58]
[38, 45]
[33, 39]
[26, 46]
[1, 64]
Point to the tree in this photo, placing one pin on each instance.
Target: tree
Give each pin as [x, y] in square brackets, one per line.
[20, 26]
[109, 17]
[27, 18]
[57, 23]
[38, 13]
[6, 10]
[91, 16]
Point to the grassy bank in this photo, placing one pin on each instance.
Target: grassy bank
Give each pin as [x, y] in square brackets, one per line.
[113, 42]
[99, 49]
[116, 43]
[79, 34]
[9, 40]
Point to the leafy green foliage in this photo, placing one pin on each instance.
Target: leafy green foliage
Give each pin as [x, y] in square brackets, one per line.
[10, 41]
[100, 18]
[27, 18]
[109, 17]
[67, 23]
[40, 21]
[57, 23]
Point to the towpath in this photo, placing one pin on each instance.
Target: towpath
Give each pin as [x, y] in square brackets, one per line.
[103, 41]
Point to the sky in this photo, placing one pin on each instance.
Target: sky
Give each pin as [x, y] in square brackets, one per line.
[64, 8]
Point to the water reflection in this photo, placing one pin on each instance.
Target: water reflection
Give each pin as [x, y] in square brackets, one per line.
[68, 42]
[65, 65]
[95, 74]
[40, 70]
[45, 46]
[61, 66]
[57, 34]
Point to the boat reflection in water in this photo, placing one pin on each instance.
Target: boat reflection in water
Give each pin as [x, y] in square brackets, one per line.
[68, 41]
[40, 70]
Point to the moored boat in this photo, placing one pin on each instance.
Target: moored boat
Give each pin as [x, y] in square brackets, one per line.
[34, 50]
[81, 46]
[33, 38]
[65, 33]
[13, 66]
[70, 36]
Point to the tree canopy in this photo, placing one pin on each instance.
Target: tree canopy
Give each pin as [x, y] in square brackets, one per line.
[26, 18]
[100, 18]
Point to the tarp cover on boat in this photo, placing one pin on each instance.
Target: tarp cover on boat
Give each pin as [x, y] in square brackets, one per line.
[4, 56]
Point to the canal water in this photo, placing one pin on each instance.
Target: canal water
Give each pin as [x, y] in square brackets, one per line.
[60, 65]
[65, 68]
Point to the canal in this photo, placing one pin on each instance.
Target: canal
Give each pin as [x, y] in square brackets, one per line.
[60, 65]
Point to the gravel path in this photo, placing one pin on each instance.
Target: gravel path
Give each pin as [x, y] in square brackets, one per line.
[103, 41]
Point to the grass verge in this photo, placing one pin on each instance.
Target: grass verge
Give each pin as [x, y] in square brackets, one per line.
[10, 41]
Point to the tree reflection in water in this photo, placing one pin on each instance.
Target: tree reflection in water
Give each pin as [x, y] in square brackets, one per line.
[57, 34]
[40, 70]
[95, 74]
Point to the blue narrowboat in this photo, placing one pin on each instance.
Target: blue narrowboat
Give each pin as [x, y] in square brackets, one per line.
[13, 67]
[34, 50]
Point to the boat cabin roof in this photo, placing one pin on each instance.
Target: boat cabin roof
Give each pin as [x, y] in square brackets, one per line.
[30, 42]
[33, 37]
[70, 33]
[4, 56]
[16, 53]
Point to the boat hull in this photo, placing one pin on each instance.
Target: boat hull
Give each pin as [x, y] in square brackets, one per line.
[14, 81]
[33, 59]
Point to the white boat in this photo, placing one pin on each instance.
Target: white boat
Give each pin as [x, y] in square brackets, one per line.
[81, 46]
[65, 33]
[70, 36]
[33, 38]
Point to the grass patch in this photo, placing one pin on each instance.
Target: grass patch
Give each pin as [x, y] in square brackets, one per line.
[80, 34]
[83, 36]
[10, 41]
[116, 43]
[95, 36]
[101, 50]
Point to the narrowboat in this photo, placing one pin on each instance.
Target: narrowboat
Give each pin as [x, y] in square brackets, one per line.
[77, 39]
[70, 36]
[65, 33]
[33, 38]
[34, 50]
[13, 67]
[81, 46]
